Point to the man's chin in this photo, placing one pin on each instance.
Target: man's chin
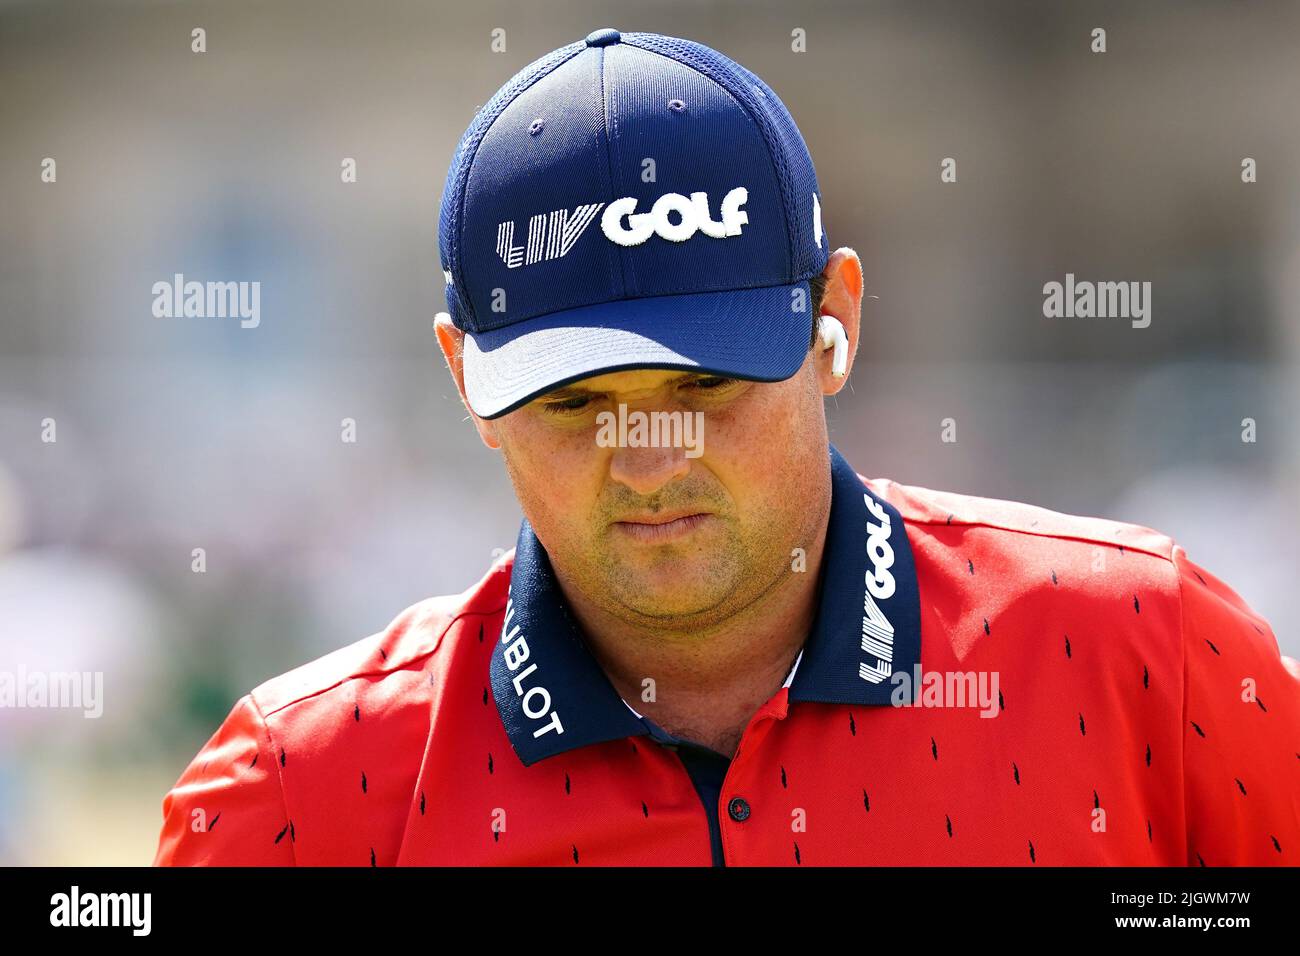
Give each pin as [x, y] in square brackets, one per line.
[682, 579]
[678, 591]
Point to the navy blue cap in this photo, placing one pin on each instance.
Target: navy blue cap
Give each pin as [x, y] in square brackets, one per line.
[629, 201]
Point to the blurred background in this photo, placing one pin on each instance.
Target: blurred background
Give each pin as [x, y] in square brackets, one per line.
[176, 434]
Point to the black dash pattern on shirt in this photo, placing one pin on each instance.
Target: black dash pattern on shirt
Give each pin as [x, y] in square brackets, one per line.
[1068, 653]
[280, 836]
[1082, 728]
[853, 727]
[1212, 647]
[1015, 772]
[934, 749]
[798, 862]
[363, 781]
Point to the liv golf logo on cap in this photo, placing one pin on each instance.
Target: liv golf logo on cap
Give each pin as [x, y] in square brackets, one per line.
[552, 234]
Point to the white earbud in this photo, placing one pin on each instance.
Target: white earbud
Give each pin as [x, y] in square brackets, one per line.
[832, 334]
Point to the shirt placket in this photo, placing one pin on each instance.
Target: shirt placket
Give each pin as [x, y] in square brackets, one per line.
[748, 818]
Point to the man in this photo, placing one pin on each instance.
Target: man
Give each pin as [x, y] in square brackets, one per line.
[715, 642]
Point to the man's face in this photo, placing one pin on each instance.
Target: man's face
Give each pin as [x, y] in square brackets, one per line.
[756, 491]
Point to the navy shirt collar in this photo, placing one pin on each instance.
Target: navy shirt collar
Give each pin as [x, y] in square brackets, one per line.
[552, 695]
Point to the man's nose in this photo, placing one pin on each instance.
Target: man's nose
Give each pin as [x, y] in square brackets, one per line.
[647, 469]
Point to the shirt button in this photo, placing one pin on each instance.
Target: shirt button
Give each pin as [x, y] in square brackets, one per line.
[738, 808]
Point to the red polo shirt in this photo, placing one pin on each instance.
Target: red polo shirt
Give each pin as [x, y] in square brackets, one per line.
[985, 682]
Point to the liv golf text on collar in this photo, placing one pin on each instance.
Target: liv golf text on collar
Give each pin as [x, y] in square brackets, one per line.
[877, 632]
[537, 700]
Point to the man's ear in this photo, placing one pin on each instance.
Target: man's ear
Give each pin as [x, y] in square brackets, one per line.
[452, 342]
[843, 300]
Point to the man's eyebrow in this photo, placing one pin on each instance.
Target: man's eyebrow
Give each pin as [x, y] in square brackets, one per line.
[579, 391]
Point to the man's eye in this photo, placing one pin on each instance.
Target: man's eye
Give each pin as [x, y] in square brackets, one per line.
[567, 406]
[711, 383]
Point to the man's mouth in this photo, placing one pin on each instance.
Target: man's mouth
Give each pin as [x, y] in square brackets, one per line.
[662, 527]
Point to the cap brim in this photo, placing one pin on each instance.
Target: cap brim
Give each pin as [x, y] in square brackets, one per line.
[746, 333]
